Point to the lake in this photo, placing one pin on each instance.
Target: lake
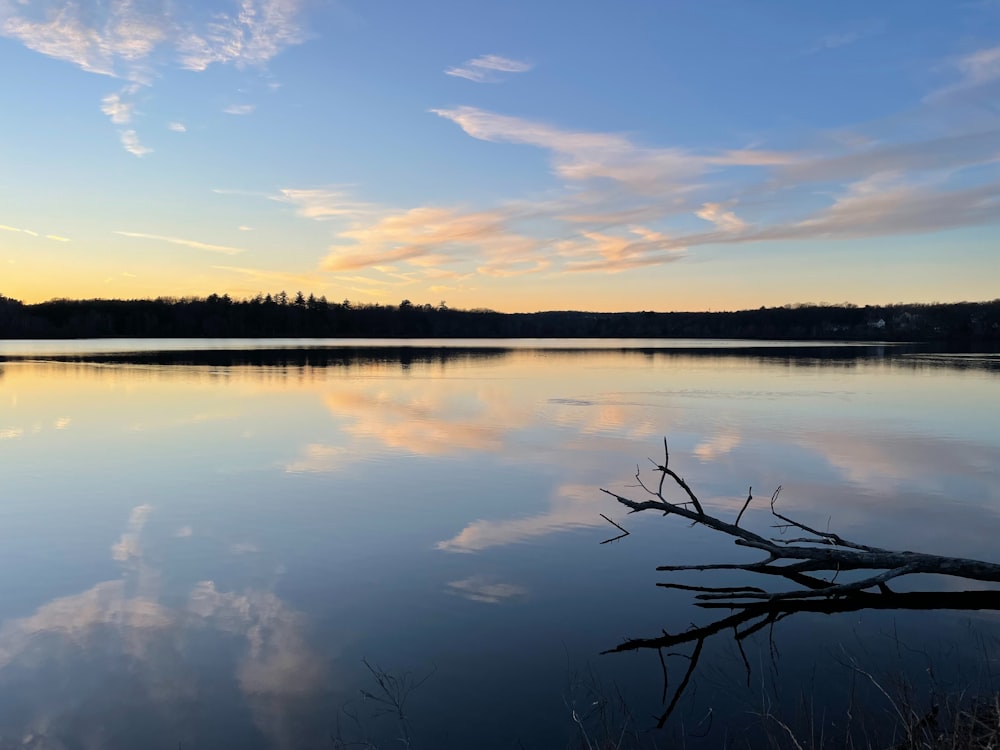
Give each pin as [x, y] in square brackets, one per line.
[280, 544]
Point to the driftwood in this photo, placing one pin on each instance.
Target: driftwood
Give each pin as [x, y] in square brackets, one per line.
[813, 563]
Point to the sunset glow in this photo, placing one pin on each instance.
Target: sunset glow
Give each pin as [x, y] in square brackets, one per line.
[516, 156]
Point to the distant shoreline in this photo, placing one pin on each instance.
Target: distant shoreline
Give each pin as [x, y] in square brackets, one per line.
[281, 316]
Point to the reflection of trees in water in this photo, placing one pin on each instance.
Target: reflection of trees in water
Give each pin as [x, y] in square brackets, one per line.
[298, 357]
[829, 574]
[254, 354]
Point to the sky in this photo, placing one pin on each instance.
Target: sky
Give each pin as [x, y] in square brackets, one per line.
[518, 156]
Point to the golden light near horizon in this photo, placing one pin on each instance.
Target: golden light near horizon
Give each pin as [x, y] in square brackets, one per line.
[199, 156]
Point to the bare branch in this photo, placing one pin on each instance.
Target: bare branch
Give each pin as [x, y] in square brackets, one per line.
[745, 506]
[802, 561]
[624, 533]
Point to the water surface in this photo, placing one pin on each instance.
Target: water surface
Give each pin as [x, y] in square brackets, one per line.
[202, 542]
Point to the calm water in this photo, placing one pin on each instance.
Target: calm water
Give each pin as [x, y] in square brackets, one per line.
[202, 542]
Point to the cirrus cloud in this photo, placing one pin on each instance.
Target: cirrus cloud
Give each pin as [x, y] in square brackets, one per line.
[488, 68]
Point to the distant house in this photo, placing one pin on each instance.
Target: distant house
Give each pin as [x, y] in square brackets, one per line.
[880, 323]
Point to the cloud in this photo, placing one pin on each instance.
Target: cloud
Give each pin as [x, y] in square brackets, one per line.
[98, 38]
[882, 206]
[981, 66]
[596, 251]
[256, 34]
[119, 111]
[724, 220]
[113, 37]
[177, 127]
[581, 156]
[131, 143]
[487, 69]
[323, 203]
[299, 279]
[239, 109]
[32, 233]
[135, 40]
[619, 205]
[186, 243]
[846, 38]
[432, 234]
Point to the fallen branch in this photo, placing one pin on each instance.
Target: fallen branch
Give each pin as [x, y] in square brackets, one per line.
[798, 560]
[812, 563]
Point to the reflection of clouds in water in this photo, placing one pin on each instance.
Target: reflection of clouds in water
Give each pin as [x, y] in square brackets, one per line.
[278, 662]
[319, 458]
[431, 424]
[574, 506]
[602, 417]
[717, 445]
[127, 547]
[883, 462]
[108, 661]
[482, 589]
[453, 420]
[10, 433]
[62, 423]
[189, 421]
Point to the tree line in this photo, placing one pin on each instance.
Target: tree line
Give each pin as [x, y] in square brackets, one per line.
[283, 315]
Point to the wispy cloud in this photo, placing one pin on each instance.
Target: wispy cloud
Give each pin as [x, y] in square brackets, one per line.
[323, 203]
[32, 233]
[847, 37]
[581, 156]
[618, 204]
[186, 243]
[133, 40]
[488, 68]
[979, 73]
[981, 66]
[253, 36]
[724, 220]
[177, 127]
[431, 235]
[130, 140]
[261, 274]
[99, 38]
[119, 111]
[239, 109]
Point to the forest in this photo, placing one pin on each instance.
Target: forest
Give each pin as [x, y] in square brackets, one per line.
[284, 315]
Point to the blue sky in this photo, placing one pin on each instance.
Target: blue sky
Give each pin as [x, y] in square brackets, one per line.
[518, 156]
